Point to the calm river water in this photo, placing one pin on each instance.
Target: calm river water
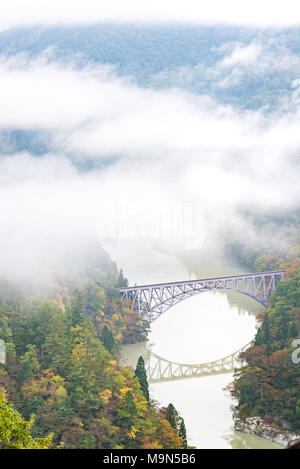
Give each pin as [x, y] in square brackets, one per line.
[204, 328]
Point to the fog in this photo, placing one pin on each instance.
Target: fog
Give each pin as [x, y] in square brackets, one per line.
[20, 12]
[145, 153]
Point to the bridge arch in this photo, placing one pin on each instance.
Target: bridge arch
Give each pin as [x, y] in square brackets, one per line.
[150, 301]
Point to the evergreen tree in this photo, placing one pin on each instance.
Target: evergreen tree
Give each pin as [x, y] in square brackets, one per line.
[172, 416]
[292, 330]
[40, 323]
[182, 432]
[140, 373]
[266, 330]
[122, 281]
[263, 336]
[297, 413]
[108, 340]
[268, 349]
[76, 309]
[282, 331]
[128, 411]
[10, 356]
[29, 365]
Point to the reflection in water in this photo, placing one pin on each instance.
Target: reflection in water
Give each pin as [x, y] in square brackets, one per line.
[159, 369]
[200, 330]
[203, 404]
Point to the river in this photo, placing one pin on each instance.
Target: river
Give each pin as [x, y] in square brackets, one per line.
[200, 329]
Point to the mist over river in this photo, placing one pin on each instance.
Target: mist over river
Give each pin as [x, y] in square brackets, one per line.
[200, 329]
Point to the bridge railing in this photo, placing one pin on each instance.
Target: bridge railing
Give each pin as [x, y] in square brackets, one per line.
[188, 282]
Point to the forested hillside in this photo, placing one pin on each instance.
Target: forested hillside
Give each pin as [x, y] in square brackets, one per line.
[269, 383]
[61, 366]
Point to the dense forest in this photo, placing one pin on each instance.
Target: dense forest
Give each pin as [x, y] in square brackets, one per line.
[269, 383]
[61, 384]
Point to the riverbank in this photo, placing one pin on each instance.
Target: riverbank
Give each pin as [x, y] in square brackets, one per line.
[269, 431]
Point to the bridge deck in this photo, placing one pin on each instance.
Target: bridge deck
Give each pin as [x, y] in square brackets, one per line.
[185, 282]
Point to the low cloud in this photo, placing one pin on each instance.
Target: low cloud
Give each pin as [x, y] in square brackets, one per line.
[256, 61]
[143, 148]
[243, 55]
[266, 65]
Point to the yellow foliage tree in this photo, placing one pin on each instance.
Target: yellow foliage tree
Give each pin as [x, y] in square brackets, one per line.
[15, 431]
[105, 396]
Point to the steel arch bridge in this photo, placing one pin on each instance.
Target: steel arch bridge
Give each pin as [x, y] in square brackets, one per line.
[150, 301]
[159, 369]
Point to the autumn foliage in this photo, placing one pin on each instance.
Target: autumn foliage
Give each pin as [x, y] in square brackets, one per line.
[61, 366]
